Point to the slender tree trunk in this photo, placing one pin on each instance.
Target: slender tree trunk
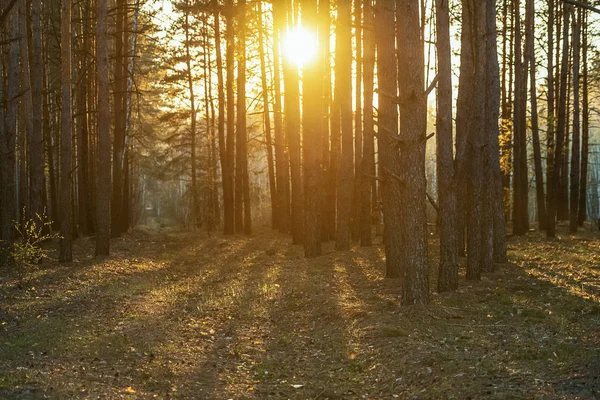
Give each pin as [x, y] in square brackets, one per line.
[358, 119]
[448, 268]
[242, 133]
[550, 118]
[575, 156]
[560, 133]
[311, 134]
[535, 130]
[225, 147]
[324, 45]
[275, 208]
[367, 172]
[282, 164]
[345, 173]
[413, 123]
[66, 250]
[582, 212]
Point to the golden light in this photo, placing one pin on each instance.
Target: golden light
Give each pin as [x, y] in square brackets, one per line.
[299, 45]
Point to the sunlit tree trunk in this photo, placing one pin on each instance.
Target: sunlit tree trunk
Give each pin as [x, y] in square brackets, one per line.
[550, 117]
[343, 60]
[324, 46]
[358, 119]
[582, 212]
[242, 133]
[66, 251]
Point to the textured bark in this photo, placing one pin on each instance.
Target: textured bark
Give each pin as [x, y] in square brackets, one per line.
[230, 141]
[520, 173]
[26, 120]
[311, 135]
[345, 181]
[448, 268]
[575, 156]
[368, 160]
[324, 46]
[535, 130]
[275, 208]
[554, 187]
[282, 162]
[493, 147]
[413, 122]
[387, 122]
[582, 209]
[66, 245]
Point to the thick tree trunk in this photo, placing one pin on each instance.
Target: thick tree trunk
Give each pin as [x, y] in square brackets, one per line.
[324, 45]
[367, 172]
[66, 247]
[575, 157]
[411, 171]
[550, 117]
[345, 181]
[448, 268]
[358, 119]
[554, 187]
[311, 133]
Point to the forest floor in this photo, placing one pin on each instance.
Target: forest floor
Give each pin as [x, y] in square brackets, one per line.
[181, 315]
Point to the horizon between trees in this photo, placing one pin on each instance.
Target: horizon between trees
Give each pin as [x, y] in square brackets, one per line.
[328, 120]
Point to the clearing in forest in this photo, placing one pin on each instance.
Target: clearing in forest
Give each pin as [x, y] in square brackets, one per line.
[179, 315]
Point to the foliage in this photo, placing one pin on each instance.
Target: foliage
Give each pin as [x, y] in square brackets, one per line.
[28, 251]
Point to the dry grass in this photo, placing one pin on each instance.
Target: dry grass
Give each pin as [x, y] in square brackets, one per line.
[184, 316]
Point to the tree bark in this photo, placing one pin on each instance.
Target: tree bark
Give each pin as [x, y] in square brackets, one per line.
[358, 119]
[575, 156]
[582, 208]
[66, 250]
[550, 116]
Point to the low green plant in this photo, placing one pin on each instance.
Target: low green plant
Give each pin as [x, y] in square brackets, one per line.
[27, 251]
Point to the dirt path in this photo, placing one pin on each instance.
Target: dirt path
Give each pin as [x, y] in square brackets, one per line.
[185, 316]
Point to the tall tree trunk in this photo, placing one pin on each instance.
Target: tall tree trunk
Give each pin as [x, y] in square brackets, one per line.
[554, 187]
[104, 175]
[275, 207]
[66, 250]
[324, 45]
[242, 133]
[282, 163]
[367, 172]
[413, 123]
[550, 118]
[492, 150]
[311, 134]
[343, 60]
[226, 147]
[507, 104]
[575, 156]
[358, 119]
[387, 123]
[292, 124]
[520, 175]
[448, 268]
[535, 131]
[582, 212]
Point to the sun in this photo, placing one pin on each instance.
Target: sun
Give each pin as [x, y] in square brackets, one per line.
[299, 45]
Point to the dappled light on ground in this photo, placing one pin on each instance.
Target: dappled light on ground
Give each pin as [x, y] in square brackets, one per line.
[184, 316]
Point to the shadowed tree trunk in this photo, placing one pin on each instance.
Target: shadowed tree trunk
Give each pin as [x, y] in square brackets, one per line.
[231, 218]
[448, 268]
[550, 118]
[343, 62]
[66, 250]
[582, 212]
[358, 120]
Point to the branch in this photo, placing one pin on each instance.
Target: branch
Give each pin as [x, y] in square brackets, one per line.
[432, 85]
[583, 5]
[6, 11]
[393, 175]
[429, 136]
[394, 99]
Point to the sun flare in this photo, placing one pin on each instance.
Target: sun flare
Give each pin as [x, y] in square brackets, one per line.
[299, 45]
